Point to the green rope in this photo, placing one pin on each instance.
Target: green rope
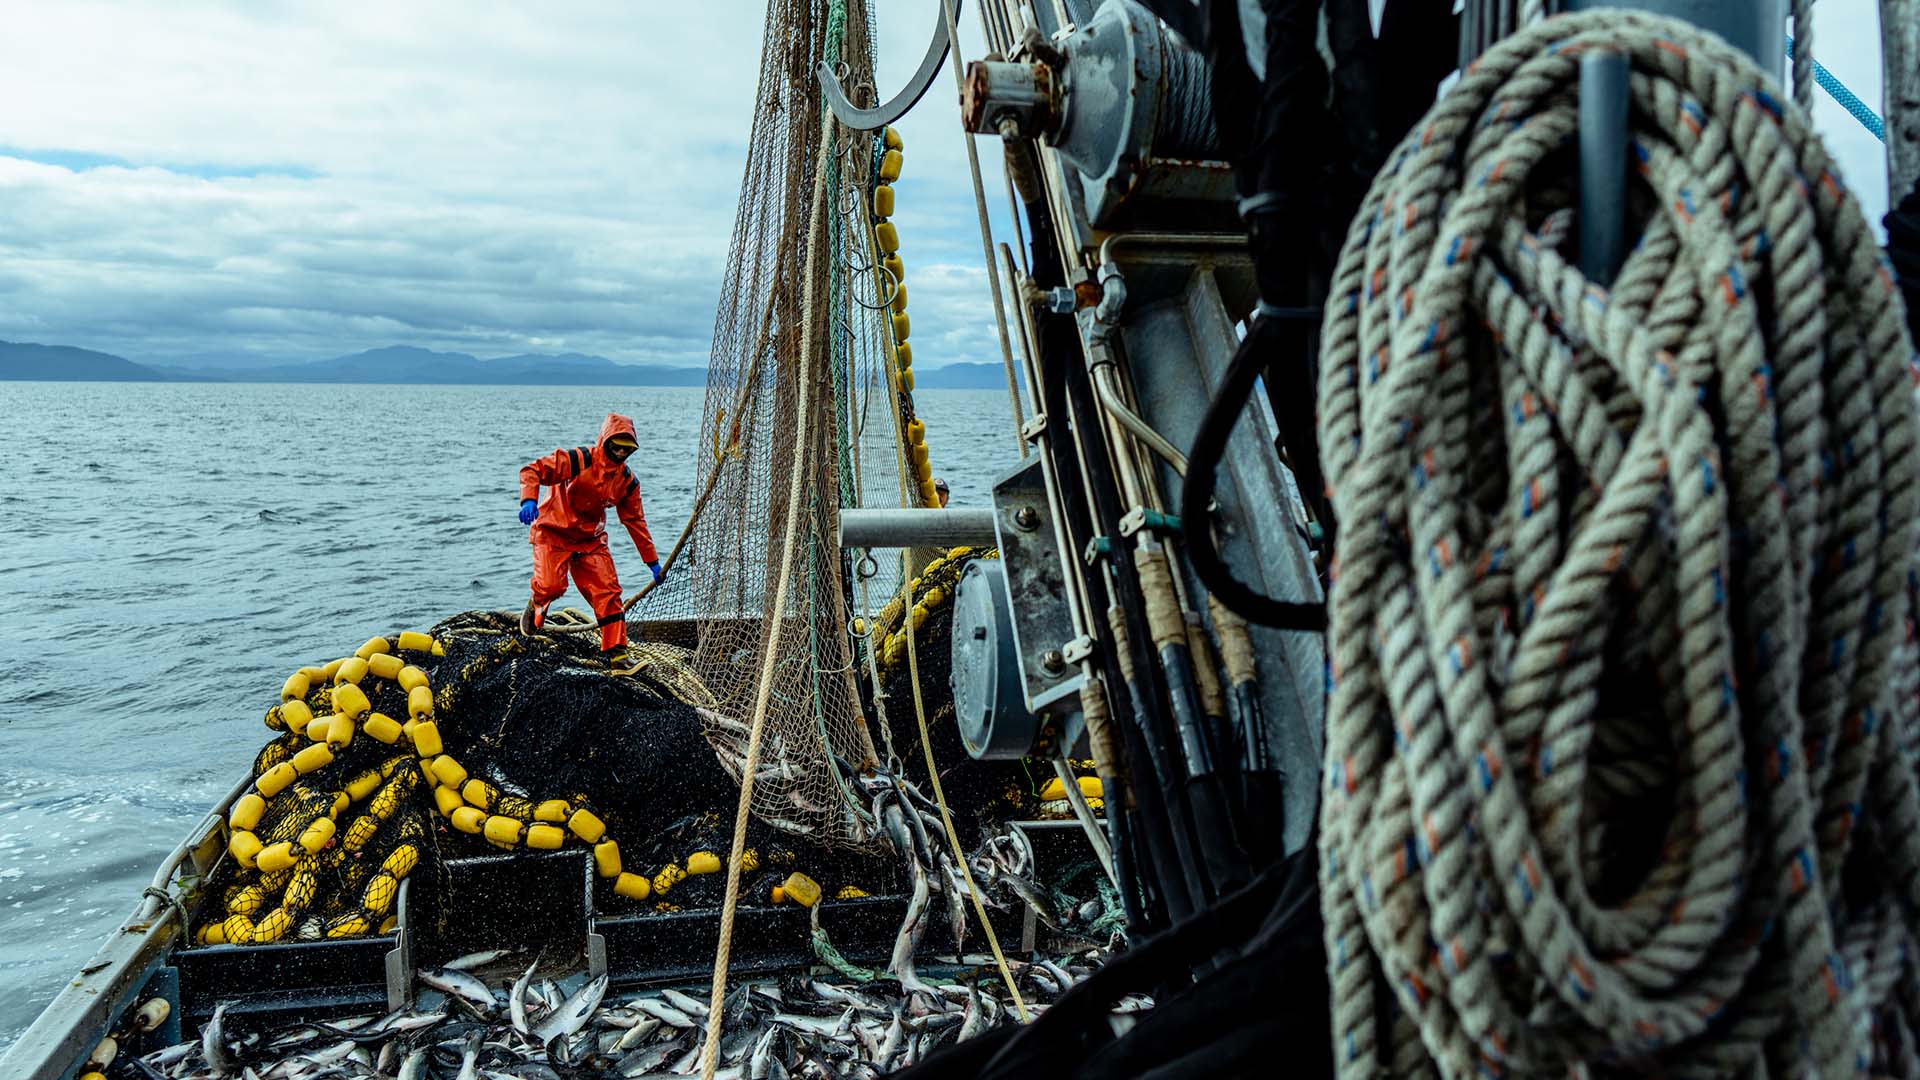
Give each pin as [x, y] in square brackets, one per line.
[837, 244]
[823, 949]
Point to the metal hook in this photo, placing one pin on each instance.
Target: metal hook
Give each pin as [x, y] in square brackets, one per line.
[881, 115]
[884, 302]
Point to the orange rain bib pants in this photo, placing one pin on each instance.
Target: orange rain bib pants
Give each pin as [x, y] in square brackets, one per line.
[569, 536]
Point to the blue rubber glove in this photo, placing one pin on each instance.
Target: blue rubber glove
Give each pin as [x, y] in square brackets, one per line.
[659, 575]
[529, 509]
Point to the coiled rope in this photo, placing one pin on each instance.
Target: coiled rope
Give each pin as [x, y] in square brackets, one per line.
[1620, 631]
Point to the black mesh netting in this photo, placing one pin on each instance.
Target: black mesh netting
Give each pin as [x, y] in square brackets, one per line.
[541, 717]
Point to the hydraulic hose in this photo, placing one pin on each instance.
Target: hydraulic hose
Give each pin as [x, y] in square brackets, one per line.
[1196, 498]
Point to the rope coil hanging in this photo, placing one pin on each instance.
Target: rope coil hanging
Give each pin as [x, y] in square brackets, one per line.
[1621, 661]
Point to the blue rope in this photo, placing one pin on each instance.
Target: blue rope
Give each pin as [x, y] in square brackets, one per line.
[1848, 101]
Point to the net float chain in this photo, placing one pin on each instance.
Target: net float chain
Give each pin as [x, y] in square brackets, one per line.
[891, 280]
[331, 733]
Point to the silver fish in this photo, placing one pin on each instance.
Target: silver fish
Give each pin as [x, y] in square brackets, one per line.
[172, 1055]
[954, 887]
[820, 1026]
[915, 923]
[573, 1014]
[213, 1042]
[1031, 895]
[328, 1054]
[690, 1060]
[460, 985]
[975, 1017]
[476, 959]
[840, 995]
[470, 1057]
[1059, 974]
[760, 1060]
[517, 1000]
[890, 1044]
[686, 1003]
[414, 1065]
[664, 1012]
[637, 1034]
[411, 1021]
[641, 1062]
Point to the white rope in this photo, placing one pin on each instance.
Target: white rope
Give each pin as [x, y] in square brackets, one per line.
[1619, 630]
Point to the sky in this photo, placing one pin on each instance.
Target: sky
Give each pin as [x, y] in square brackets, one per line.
[292, 181]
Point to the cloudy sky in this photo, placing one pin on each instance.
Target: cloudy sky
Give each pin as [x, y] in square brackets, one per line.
[295, 181]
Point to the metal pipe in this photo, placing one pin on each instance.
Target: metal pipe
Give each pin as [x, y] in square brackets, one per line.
[1603, 165]
[1095, 835]
[1900, 68]
[1757, 28]
[1109, 398]
[891, 528]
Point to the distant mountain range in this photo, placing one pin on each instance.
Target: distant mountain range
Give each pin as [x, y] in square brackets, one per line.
[407, 364]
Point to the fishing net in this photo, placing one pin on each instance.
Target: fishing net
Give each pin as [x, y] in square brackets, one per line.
[511, 742]
[809, 410]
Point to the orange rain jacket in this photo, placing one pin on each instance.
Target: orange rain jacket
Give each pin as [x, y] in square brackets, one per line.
[581, 483]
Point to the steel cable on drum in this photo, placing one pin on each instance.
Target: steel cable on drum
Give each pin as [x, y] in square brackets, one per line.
[1621, 668]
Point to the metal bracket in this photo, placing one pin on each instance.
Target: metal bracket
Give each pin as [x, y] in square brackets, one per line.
[1036, 585]
[1033, 429]
[1078, 649]
[1153, 521]
[896, 107]
[399, 959]
[1100, 547]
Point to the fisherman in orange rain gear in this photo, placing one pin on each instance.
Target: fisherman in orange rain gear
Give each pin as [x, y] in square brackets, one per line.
[569, 531]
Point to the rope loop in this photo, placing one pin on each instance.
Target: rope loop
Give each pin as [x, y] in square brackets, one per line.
[1619, 647]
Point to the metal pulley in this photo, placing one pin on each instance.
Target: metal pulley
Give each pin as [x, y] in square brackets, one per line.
[1123, 101]
[988, 702]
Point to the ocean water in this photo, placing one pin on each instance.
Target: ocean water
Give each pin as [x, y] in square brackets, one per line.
[170, 552]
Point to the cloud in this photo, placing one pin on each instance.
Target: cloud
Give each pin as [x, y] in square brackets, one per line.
[298, 181]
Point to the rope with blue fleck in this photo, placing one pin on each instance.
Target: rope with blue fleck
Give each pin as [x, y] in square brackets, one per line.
[1621, 662]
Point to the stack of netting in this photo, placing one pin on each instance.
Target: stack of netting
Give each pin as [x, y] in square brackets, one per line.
[508, 742]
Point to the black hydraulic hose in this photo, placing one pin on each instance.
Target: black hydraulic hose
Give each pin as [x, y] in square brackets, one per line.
[1213, 803]
[1161, 895]
[1151, 689]
[1262, 784]
[1120, 844]
[1196, 498]
[1170, 822]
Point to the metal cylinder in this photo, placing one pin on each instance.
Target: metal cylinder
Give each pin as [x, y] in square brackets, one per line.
[916, 528]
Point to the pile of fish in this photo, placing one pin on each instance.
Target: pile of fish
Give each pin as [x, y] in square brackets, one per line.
[530, 1029]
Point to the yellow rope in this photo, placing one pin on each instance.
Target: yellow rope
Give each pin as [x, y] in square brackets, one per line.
[913, 671]
[709, 1057]
[946, 818]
